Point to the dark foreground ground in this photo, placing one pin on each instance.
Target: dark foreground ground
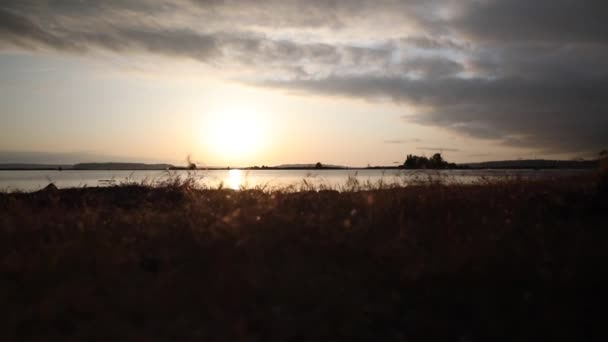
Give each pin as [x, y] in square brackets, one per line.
[519, 261]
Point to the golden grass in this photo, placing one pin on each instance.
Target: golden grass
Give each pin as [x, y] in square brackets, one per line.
[513, 260]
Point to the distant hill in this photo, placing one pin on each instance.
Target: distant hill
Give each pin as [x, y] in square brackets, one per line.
[534, 164]
[17, 166]
[68, 158]
[121, 166]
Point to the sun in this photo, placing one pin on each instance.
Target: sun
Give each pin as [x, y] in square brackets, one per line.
[234, 133]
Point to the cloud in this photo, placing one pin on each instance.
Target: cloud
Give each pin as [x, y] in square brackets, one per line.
[400, 141]
[231, 33]
[541, 62]
[24, 32]
[430, 43]
[431, 67]
[526, 73]
[566, 116]
[438, 149]
[70, 26]
[306, 14]
[540, 20]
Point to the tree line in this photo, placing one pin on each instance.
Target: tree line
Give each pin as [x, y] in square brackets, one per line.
[422, 162]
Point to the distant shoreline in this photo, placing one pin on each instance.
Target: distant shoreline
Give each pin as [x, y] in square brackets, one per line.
[491, 165]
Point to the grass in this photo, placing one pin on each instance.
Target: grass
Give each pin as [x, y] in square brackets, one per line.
[513, 260]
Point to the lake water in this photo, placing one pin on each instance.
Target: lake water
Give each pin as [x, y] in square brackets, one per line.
[269, 179]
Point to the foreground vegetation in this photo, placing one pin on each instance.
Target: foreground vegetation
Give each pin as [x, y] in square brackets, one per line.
[515, 260]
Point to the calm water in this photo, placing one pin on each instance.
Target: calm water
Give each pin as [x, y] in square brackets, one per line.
[236, 179]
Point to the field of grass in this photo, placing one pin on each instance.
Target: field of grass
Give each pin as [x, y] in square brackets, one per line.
[499, 261]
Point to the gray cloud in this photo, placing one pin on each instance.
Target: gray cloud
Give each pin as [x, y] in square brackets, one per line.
[68, 28]
[540, 20]
[431, 67]
[430, 43]
[552, 115]
[86, 7]
[438, 149]
[23, 31]
[532, 61]
[527, 73]
[334, 14]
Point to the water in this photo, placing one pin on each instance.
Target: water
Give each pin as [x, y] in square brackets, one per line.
[268, 179]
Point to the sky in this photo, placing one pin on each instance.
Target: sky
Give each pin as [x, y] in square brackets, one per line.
[348, 82]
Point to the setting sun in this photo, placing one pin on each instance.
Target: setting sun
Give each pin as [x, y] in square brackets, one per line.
[235, 133]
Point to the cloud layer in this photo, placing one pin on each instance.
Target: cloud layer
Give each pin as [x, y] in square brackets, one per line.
[527, 73]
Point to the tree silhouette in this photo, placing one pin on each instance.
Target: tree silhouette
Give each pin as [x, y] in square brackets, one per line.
[421, 162]
[436, 158]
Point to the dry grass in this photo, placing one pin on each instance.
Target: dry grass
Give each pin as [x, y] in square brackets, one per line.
[514, 260]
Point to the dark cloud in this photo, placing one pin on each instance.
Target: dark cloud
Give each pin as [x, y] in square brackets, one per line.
[539, 20]
[554, 115]
[532, 61]
[23, 31]
[86, 7]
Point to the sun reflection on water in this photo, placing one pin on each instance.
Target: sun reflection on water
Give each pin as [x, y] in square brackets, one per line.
[235, 178]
